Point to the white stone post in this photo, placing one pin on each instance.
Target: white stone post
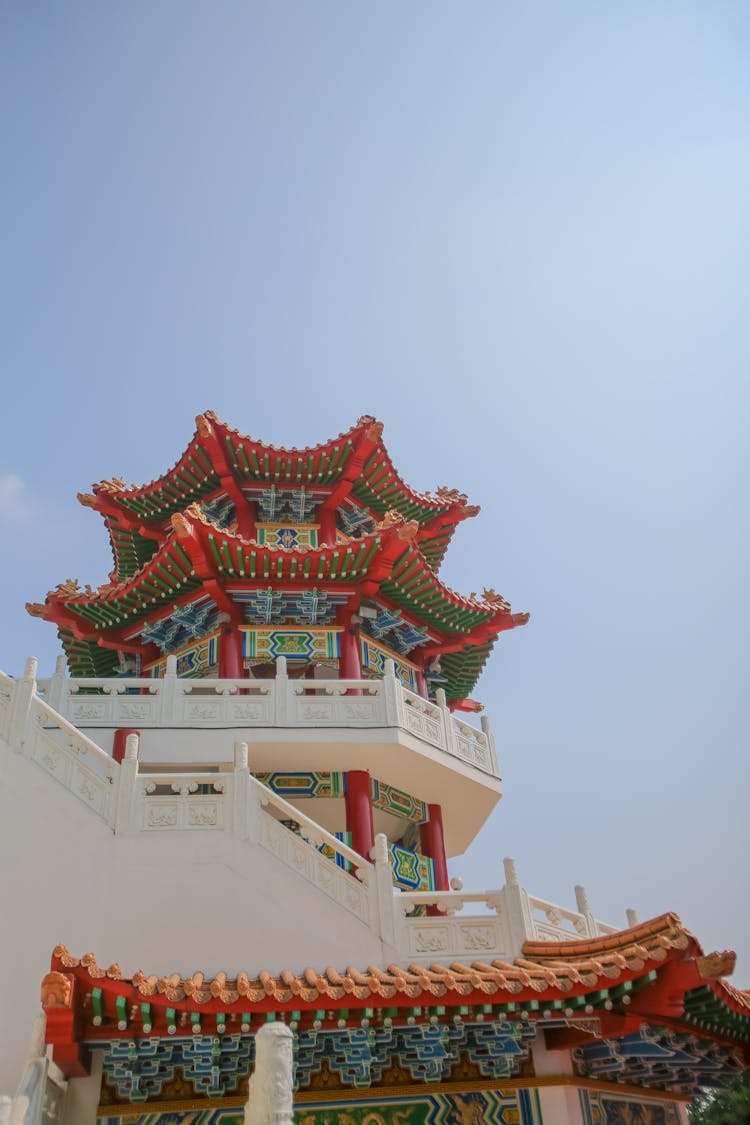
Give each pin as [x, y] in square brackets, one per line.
[23, 694]
[241, 790]
[384, 890]
[392, 695]
[167, 708]
[520, 918]
[486, 728]
[281, 692]
[582, 902]
[449, 734]
[631, 916]
[57, 695]
[127, 807]
[270, 1099]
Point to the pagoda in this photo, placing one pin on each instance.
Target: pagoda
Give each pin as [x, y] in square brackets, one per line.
[243, 552]
[244, 780]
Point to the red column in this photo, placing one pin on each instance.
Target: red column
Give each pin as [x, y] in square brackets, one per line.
[421, 683]
[327, 529]
[433, 845]
[230, 654]
[350, 660]
[359, 811]
[118, 744]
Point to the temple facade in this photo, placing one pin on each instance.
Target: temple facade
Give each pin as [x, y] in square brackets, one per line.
[240, 788]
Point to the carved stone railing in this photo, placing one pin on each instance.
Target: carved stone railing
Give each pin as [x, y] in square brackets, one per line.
[184, 801]
[295, 839]
[58, 747]
[449, 933]
[419, 926]
[536, 919]
[173, 701]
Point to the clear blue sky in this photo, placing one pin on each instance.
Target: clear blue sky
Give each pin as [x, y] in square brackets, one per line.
[519, 235]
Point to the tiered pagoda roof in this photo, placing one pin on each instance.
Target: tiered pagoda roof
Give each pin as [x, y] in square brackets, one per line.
[190, 541]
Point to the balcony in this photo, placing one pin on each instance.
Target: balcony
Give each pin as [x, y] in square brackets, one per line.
[296, 726]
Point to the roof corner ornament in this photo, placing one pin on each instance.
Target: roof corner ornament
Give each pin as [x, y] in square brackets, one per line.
[520, 618]
[56, 990]
[67, 589]
[497, 601]
[374, 430]
[182, 526]
[408, 531]
[88, 499]
[451, 495]
[36, 609]
[203, 425]
[716, 965]
[116, 484]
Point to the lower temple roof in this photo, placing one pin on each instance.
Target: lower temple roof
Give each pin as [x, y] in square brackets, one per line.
[653, 975]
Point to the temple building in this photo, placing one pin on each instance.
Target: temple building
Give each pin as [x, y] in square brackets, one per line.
[241, 788]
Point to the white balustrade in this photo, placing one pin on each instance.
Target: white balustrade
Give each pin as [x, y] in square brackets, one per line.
[449, 934]
[232, 801]
[556, 923]
[184, 801]
[173, 701]
[335, 703]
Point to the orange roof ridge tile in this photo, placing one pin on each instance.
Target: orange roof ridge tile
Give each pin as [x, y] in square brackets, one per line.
[414, 981]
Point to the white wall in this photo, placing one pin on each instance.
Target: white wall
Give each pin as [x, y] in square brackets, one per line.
[174, 902]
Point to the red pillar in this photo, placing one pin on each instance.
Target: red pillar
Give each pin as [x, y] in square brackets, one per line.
[350, 660]
[230, 654]
[421, 683]
[327, 529]
[359, 811]
[433, 845]
[118, 743]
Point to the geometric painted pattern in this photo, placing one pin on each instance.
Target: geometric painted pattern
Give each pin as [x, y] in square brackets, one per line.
[214, 1065]
[277, 607]
[185, 623]
[355, 521]
[411, 871]
[310, 783]
[598, 1108]
[292, 505]
[397, 802]
[402, 636]
[294, 644]
[428, 1051]
[195, 660]
[284, 535]
[221, 512]
[657, 1057]
[374, 657]
[324, 783]
[485, 1107]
